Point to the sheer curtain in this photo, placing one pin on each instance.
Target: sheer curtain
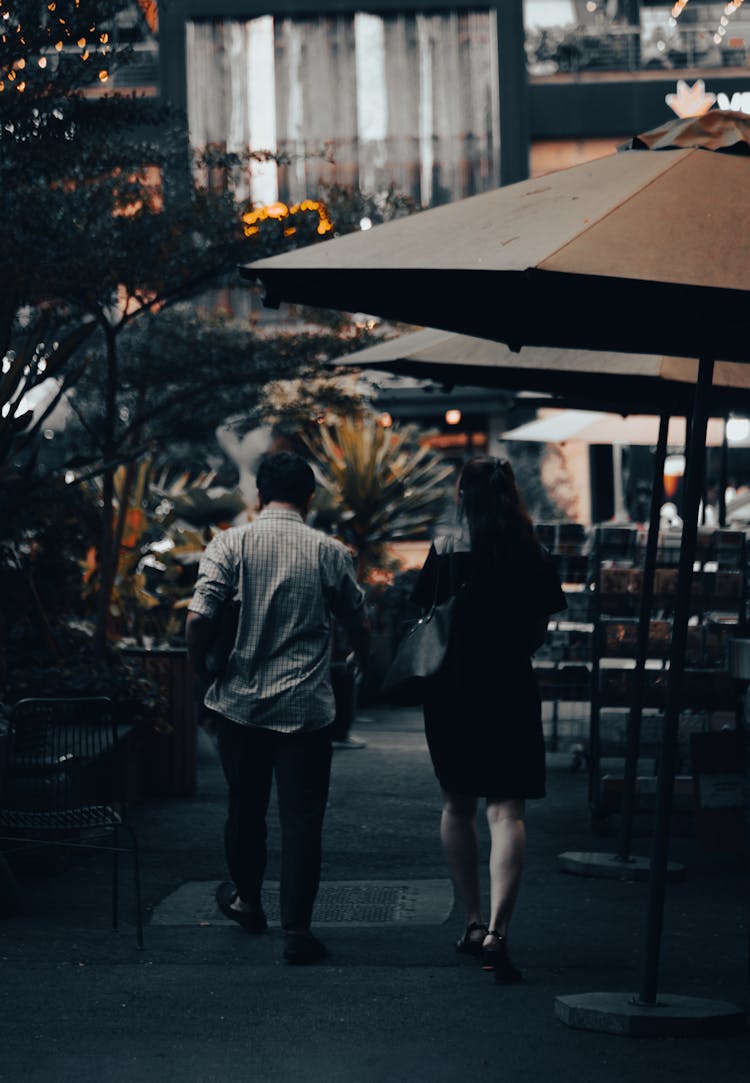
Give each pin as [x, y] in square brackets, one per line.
[365, 100]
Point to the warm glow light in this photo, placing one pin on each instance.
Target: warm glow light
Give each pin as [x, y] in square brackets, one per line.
[674, 468]
[385, 420]
[103, 76]
[738, 429]
[81, 43]
[452, 417]
[58, 45]
[42, 61]
[279, 211]
[690, 101]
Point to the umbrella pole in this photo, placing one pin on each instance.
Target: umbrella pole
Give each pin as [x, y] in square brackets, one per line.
[721, 496]
[633, 736]
[670, 728]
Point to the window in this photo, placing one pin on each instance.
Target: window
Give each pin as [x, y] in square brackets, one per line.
[363, 100]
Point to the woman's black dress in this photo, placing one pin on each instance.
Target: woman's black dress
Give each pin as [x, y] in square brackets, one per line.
[483, 712]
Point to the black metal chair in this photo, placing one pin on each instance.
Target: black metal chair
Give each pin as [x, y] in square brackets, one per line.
[65, 784]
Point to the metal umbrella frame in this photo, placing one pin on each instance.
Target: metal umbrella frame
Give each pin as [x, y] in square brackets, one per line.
[632, 252]
[589, 378]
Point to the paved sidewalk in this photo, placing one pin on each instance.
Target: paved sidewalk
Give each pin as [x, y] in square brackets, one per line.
[206, 1002]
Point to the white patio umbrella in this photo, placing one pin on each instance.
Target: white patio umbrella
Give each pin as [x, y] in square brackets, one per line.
[596, 427]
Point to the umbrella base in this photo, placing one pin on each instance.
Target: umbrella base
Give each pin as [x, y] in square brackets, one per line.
[612, 867]
[672, 1016]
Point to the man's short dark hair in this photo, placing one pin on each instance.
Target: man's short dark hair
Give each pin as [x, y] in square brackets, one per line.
[285, 476]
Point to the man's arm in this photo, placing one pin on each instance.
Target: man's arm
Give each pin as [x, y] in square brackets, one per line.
[347, 602]
[359, 638]
[213, 587]
[199, 632]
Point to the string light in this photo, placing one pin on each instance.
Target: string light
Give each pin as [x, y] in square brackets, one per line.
[729, 10]
[279, 211]
[65, 32]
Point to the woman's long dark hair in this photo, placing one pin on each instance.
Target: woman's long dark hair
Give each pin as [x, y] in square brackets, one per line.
[499, 524]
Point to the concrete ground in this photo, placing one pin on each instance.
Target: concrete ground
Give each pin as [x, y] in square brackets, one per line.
[207, 1002]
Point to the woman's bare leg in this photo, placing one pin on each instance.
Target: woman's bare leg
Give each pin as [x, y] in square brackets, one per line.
[508, 835]
[458, 833]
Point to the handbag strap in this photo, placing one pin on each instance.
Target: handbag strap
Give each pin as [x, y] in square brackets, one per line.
[447, 550]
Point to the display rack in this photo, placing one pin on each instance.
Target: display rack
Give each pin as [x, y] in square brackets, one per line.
[709, 701]
[563, 664]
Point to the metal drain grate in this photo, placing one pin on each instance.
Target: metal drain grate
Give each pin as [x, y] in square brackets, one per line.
[346, 904]
[339, 902]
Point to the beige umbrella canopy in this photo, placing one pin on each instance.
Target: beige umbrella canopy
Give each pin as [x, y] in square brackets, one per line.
[636, 252]
[715, 130]
[601, 379]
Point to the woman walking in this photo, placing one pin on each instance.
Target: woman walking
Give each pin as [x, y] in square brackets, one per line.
[482, 712]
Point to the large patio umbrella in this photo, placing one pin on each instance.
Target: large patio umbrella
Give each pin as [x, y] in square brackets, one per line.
[598, 427]
[593, 379]
[638, 252]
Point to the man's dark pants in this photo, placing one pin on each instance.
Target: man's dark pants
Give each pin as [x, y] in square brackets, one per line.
[301, 762]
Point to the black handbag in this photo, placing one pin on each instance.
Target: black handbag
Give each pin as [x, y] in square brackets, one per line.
[421, 652]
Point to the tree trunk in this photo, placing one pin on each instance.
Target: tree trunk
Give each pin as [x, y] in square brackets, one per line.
[106, 544]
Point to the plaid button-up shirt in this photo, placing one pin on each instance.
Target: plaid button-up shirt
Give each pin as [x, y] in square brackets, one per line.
[290, 580]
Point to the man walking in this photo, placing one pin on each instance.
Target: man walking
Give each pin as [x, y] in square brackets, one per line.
[273, 697]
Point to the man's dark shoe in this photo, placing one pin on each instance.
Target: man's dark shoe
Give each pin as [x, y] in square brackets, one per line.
[252, 920]
[301, 948]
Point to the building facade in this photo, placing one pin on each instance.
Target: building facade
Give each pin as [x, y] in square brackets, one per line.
[442, 99]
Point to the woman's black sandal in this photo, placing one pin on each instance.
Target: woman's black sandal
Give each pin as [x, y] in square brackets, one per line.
[468, 946]
[498, 960]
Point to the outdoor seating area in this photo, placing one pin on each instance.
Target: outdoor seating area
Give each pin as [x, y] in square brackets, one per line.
[374, 541]
[64, 784]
